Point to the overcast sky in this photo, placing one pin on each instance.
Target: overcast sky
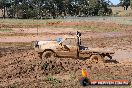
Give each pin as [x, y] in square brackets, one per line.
[115, 1]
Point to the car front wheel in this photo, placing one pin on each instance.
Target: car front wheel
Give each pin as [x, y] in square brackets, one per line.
[48, 54]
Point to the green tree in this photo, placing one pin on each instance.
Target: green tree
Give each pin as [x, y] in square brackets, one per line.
[131, 3]
[40, 8]
[3, 4]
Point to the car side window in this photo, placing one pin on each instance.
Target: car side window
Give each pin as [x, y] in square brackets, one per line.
[69, 41]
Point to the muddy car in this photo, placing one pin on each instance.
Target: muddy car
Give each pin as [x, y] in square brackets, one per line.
[70, 47]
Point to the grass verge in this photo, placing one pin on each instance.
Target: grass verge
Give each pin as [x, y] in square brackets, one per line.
[15, 44]
[6, 30]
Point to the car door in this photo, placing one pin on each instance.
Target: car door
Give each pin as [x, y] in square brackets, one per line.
[68, 48]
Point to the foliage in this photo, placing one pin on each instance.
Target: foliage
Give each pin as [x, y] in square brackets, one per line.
[40, 9]
[131, 3]
[6, 30]
[53, 80]
[125, 3]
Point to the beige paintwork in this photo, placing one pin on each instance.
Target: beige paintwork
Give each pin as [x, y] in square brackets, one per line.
[63, 48]
[68, 48]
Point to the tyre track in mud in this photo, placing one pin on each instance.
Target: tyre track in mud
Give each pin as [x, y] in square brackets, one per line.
[27, 64]
[22, 66]
[18, 65]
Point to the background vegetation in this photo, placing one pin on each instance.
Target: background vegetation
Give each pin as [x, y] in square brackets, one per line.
[41, 9]
[131, 3]
[53, 8]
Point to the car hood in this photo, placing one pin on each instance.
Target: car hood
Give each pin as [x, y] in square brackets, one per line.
[46, 42]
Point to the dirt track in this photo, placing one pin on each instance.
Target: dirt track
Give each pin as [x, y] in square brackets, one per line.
[52, 30]
[22, 67]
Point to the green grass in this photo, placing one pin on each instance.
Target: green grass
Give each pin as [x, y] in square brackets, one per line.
[15, 44]
[6, 30]
[108, 30]
[53, 80]
[31, 23]
[90, 28]
[25, 22]
[20, 34]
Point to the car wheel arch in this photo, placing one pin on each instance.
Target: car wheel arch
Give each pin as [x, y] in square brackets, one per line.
[49, 50]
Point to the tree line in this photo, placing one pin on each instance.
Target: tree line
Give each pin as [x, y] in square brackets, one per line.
[41, 9]
[126, 3]
[131, 3]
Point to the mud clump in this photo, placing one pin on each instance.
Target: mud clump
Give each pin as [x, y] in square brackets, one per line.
[21, 64]
[23, 67]
[26, 63]
[52, 68]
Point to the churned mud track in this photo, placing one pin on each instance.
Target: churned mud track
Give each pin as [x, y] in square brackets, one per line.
[122, 46]
[22, 67]
[27, 37]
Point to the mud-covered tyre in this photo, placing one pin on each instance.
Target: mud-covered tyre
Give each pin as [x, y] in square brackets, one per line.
[95, 59]
[48, 55]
